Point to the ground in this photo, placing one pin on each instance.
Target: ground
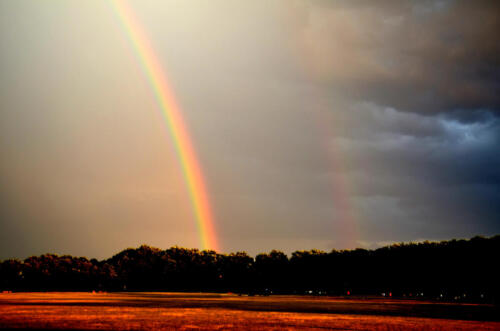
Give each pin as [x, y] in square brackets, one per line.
[181, 311]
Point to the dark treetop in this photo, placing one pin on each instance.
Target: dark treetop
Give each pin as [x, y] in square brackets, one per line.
[463, 270]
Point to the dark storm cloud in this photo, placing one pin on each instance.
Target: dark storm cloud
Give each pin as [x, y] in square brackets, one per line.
[440, 173]
[415, 95]
[420, 56]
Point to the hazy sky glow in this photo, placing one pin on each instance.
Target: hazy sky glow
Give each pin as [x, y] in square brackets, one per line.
[317, 124]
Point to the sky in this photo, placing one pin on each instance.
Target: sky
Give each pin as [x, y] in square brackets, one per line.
[317, 124]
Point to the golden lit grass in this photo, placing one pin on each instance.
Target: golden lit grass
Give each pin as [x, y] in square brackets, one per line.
[149, 311]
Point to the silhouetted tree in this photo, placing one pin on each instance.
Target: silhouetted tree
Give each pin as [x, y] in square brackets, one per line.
[456, 269]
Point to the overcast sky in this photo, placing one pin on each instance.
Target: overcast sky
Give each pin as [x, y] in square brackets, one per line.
[318, 124]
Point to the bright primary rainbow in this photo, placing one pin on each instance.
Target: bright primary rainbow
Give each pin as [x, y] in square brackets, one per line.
[175, 123]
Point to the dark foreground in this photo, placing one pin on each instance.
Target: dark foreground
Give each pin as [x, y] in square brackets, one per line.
[147, 311]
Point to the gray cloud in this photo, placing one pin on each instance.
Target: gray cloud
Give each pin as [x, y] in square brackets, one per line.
[425, 56]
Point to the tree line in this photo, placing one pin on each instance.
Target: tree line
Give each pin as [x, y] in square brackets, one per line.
[465, 270]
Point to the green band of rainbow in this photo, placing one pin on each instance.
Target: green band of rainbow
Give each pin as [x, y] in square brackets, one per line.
[175, 123]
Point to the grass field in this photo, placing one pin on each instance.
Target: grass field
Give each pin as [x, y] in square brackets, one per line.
[149, 311]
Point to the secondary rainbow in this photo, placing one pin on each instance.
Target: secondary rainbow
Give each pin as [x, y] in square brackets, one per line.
[175, 123]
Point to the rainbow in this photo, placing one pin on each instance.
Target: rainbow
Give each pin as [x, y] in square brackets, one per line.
[345, 217]
[174, 121]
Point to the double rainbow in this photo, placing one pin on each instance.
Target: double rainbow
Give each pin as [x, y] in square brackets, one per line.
[172, 116]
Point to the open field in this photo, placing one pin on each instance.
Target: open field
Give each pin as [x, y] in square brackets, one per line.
[145, 311]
